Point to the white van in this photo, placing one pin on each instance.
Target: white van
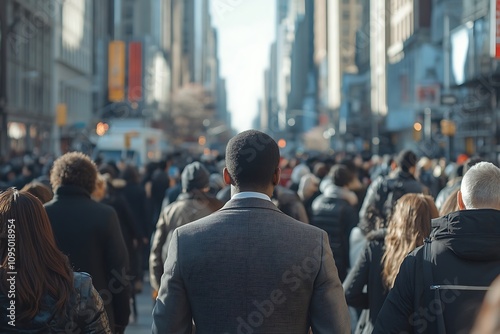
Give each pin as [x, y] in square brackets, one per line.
[136, 145]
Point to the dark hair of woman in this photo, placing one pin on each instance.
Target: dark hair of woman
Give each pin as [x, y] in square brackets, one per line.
[409, 225]
[39, 190]
[41, 267]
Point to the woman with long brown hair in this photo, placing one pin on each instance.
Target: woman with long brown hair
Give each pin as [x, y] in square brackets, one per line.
[379, 264]
[38, 288]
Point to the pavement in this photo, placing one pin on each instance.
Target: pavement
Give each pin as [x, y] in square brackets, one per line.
[142, 325]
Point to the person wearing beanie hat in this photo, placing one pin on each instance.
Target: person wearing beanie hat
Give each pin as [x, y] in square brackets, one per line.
[194, 176]
[192, 204]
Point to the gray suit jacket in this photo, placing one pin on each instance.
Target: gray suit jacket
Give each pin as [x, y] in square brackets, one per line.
[249, 268]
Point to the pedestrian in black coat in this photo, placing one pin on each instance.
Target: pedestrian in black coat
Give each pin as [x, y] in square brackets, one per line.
[89, 234]
[334, 212]
[379, 263]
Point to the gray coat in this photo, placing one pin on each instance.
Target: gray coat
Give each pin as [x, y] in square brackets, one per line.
[249, 268]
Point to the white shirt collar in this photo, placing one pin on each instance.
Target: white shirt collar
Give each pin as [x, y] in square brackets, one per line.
[250, 194]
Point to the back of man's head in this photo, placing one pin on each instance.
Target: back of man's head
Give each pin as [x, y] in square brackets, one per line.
[341, 175]
[251, 159]
[480, 188]
[406, 159]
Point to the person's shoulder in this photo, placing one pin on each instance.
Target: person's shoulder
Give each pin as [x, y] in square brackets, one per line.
[82, 283]
[277, 218]
[198, 224]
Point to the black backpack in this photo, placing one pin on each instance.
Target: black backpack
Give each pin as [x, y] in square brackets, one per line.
[434, 303]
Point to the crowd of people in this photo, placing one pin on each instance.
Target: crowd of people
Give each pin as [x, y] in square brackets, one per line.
[252, 242]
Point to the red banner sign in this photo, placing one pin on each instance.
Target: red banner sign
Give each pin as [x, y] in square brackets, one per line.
[135, 71]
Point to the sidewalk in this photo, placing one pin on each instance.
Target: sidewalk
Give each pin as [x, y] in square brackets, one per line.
[144, 309]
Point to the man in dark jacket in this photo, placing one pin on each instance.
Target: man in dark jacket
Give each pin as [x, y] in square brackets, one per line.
[89, 234]
[334, 212]
[385, 191]
[440, 285]
[192, 204]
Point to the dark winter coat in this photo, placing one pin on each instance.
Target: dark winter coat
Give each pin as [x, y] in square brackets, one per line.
[367, 272]
[135, 195]
[334, 214]
[465, 251]
[89, 233]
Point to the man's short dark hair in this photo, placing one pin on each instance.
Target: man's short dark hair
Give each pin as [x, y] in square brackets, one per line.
[406, 159]
[75, 169]
[341, 175]
[252, 158]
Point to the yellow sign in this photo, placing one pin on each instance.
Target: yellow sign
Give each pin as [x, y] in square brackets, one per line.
[129, 136]
[61, 114]
[116, 71]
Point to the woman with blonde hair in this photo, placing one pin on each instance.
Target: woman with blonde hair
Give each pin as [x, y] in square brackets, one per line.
[379, 264]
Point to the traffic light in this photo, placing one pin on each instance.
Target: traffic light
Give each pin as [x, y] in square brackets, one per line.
[61, 114]
[448, 127]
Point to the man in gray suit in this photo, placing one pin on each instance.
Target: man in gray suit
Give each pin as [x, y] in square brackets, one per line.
[249, 268]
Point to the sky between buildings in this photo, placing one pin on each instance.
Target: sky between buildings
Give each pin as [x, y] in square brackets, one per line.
[246, 29]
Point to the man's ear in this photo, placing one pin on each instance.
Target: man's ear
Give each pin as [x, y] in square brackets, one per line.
[226, 176]
[460, 201]
[276, 176]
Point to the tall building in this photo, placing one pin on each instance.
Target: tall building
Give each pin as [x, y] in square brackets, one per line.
[140, 26]
[321, 53]
[301, 99]
[269, 109]
[26, 112]
[469, 41]
[355, 133]
[288, 14]
[103, 33]
[380, 16]
[414, 74]
[73, 67]
[343, 20]
[190, 45]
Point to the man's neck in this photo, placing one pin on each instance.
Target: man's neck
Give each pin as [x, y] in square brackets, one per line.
[236, 190]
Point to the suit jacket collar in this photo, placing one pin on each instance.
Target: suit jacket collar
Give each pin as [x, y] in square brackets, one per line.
[247, 203]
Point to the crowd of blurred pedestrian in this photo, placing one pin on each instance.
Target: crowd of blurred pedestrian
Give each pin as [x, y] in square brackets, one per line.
[117, 221]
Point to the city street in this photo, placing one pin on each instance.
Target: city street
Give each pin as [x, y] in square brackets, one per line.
[144, 308]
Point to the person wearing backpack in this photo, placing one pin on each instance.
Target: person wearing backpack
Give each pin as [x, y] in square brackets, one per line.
[334, 212]
[383, 193]
[441, 285]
